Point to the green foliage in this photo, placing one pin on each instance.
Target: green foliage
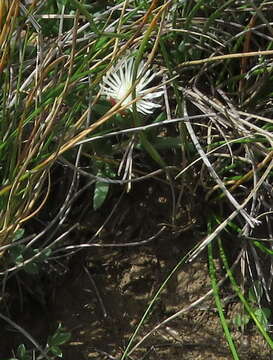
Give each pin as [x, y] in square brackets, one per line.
[22, 353]
[100, 194]
[262, 314]
[52, 348]
[211, 55]
[29, 258]
[60, 337]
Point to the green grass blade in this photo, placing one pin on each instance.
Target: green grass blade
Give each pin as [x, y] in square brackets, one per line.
[240, 295]
[212, 272]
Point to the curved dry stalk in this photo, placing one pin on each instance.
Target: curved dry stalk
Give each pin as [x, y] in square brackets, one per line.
[251, 221]
[226, 57]
[223, 225]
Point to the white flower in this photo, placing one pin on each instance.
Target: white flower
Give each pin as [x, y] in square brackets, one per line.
[118, 81]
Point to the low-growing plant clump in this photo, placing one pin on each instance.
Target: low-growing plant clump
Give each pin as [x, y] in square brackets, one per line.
[136, 163]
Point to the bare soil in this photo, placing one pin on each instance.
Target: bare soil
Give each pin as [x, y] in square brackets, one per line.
[103, 296]
[103, 324]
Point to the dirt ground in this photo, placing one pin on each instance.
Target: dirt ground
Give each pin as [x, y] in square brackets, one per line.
[103, 312]
[103, 296]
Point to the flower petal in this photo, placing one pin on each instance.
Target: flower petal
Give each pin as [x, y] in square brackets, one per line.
[118, 81]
